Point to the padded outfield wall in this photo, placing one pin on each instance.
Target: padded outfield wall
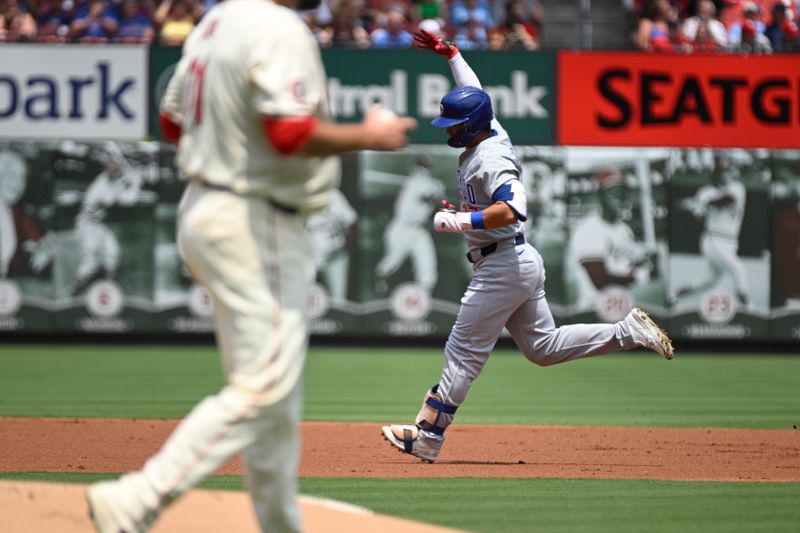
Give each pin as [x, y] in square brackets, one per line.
[660, 123]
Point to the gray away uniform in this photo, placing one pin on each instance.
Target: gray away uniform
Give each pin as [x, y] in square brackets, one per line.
[507, 288]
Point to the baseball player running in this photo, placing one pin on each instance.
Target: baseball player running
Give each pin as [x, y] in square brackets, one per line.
[507, 288]
[247, 104]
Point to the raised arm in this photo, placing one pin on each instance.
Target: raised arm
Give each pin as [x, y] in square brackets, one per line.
[462, 72]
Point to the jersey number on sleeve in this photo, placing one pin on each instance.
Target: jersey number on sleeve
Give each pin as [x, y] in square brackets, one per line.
[194, 92]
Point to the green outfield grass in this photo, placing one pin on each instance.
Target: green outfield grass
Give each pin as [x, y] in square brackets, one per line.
[384, 384]
[549, 505]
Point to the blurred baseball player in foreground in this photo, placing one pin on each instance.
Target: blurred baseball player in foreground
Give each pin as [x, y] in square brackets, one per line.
[507, 288]
[247, 103]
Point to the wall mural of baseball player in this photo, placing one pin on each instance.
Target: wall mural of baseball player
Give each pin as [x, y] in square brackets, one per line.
[116, 184]
[400, 253]
[330, 233]
[617, 250]
[785, 315]
[507, 289]
[26, 244]
[408, 236]
[719, 282]
[247, 107]
[105, 227]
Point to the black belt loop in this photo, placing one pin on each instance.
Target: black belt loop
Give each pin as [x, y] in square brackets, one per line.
[277, 205]
[519, 238]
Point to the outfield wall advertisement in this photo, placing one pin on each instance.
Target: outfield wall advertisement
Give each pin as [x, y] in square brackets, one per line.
[634, 99]
[73, 92]
[412, 83]
[702, 230]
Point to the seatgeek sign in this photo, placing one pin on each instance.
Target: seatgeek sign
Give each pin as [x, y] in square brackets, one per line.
[73, 92]
[631, 99]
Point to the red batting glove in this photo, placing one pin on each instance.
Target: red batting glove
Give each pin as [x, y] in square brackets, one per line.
[424, 39]
[447, 206]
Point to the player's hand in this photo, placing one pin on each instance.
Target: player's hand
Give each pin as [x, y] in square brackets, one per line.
[429, 41]
[386, 131]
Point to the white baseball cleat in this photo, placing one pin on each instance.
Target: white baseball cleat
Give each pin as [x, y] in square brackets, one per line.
[408, 439]
[646, 333]
[108, 513]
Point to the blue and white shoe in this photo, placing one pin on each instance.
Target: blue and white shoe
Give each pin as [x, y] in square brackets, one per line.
[409, 439]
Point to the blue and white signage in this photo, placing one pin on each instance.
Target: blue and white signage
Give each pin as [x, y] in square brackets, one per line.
[73, 92]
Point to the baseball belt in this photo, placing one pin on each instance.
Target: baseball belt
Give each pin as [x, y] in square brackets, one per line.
[489, 249]
[274, 203]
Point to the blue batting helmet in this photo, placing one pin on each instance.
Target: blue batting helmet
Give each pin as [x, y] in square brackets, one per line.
[468, 106]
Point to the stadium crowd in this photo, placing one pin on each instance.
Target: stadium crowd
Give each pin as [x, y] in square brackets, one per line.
[759, 26]
[473, 24]
[755, 26]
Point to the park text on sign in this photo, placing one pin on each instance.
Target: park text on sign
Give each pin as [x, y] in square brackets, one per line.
[672, 100]
[76, 92]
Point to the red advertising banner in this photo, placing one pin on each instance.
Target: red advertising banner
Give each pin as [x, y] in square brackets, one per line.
[638, 99]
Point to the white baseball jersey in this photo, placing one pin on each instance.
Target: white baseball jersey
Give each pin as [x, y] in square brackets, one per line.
[725, 220]
[105, 191]
[327, 229]
[488, 173]
[596, 239]
[417, 198]
[253, 59]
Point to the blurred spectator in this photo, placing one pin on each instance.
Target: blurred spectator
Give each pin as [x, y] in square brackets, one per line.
[653, 33]
[95, 22]
[135, 25]
[706, 13]
[522, 25]
[783, 31]
[176, 20]
[472, 36]
[751, 29]
[379, 11]
[704, 41]
[53, 18]
[16, 24]
[346, 30]
[497, 41]
[430, 9]
[464, 11]
[471, 21]
[677, 39]
[394, 34]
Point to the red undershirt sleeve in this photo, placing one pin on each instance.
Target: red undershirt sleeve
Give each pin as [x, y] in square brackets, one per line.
[288, 134]
[169, 129]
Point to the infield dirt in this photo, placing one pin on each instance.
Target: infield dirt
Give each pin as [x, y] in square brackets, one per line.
[358, 450]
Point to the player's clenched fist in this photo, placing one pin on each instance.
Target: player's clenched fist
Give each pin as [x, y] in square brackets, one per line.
[386, 131]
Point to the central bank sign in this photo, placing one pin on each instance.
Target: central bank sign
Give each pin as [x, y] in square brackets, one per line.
[73, 92]
[410, 82]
